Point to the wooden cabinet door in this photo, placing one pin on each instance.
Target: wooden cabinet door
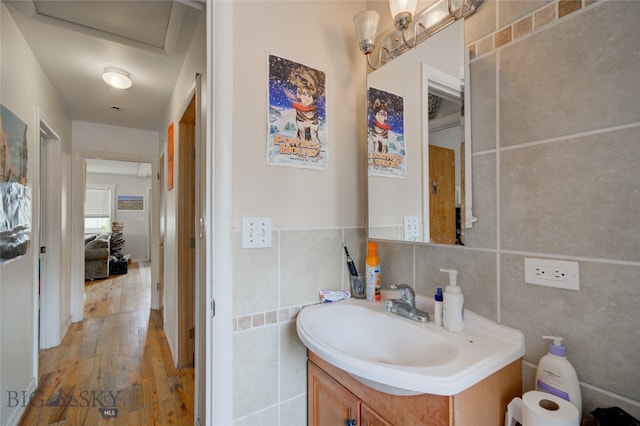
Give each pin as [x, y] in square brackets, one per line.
[368, 417]
[330, 404]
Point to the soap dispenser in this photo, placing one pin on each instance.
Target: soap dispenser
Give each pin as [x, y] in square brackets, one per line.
[453, 304]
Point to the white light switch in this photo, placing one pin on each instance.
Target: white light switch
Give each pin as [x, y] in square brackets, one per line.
[411, 228]
[256, 232]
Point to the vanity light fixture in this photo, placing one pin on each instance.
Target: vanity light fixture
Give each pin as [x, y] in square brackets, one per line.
[366, 23]
[402, 12]
[117, 78]
[426, 23]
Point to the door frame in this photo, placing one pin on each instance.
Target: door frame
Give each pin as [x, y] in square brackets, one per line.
[162, 230]
[50, 329]
[186, 234]
[77, 228]
[218, 220]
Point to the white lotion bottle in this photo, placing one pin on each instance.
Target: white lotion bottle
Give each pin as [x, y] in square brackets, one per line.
[453, 304]
[556, 375]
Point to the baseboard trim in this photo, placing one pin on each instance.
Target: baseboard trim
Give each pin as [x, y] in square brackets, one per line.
[19, 410]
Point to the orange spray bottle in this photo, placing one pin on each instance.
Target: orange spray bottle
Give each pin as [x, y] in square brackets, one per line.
[373, 280]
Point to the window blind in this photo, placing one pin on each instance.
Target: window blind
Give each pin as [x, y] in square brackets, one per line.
[97, 202]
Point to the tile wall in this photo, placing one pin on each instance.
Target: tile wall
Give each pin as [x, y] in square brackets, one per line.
[556, 174]
[270, 287]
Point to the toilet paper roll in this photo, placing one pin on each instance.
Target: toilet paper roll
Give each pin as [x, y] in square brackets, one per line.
[545, 409]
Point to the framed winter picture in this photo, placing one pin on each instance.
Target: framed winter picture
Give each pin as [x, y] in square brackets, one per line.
[297, 115]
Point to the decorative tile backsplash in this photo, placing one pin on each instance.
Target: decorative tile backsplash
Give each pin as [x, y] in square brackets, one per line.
[528, 24]
[260, 319]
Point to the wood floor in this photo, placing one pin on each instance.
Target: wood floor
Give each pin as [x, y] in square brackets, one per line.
[114, 367]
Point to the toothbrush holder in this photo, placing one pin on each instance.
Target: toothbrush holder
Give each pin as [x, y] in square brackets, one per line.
[357, 286]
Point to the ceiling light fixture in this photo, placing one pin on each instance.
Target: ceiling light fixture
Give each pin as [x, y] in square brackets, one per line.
[426, 23]
[117, 78]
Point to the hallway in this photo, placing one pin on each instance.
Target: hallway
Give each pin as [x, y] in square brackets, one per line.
[115, 366]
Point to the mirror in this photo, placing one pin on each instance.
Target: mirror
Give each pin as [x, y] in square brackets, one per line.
[412, 196]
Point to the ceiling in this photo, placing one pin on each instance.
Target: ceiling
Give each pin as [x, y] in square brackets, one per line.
[74, 41]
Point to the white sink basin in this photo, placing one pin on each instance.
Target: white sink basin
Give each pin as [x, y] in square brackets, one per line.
[401, 356]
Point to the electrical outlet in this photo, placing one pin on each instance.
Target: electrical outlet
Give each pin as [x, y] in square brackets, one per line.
[256, 232]
[552, 273]
[411, 228]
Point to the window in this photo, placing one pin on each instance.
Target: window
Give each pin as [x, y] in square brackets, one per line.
[98, 208]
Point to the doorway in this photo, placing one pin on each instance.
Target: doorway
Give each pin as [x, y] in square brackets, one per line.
[79, 187]
[129, 204]
[50, 329]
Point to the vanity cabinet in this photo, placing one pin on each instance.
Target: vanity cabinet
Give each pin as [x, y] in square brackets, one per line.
[330, 403]
[335, 397]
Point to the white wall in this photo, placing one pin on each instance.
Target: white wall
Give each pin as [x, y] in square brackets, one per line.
[298, 197]
[24, 89]
[136, 223]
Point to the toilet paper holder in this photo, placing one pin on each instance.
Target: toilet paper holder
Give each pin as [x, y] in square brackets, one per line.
[513, 416]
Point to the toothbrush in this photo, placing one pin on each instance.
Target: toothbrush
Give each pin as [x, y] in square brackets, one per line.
[352, 266]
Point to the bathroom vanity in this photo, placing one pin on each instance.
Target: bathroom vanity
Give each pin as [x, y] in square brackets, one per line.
[367, 366]
[335, 398]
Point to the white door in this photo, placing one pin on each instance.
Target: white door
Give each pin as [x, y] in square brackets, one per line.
[49, 283]
[42, 259]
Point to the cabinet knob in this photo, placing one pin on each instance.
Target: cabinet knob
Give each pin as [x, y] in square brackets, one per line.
[353, 422]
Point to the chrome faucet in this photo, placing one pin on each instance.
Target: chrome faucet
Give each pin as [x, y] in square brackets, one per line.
[407, 294]
[406, 305]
